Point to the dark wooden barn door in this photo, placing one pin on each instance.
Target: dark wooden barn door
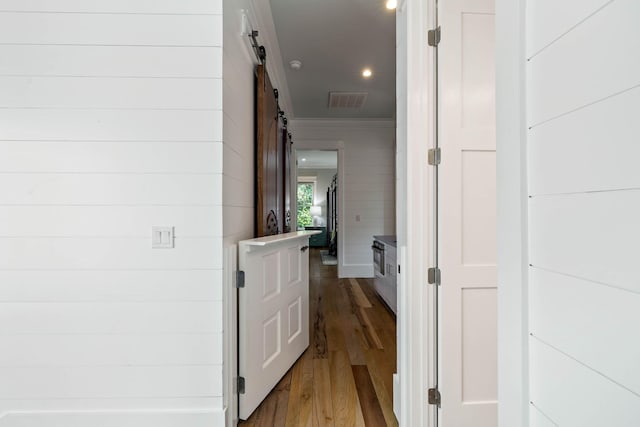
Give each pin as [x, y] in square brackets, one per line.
[269, 158]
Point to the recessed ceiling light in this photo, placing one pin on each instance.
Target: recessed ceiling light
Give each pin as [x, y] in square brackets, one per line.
[392, 4]
[295, 64]
[367, 72]
[303, 159]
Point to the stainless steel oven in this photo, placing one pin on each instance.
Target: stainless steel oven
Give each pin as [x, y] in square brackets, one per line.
[378, 258]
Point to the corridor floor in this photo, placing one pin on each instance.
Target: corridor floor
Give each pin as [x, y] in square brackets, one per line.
[344, 378]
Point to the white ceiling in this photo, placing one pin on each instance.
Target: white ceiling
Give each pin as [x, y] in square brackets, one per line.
[336, 40]
[316, 159]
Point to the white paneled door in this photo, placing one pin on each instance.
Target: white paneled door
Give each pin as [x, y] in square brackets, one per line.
[467, 215]
[273, 312]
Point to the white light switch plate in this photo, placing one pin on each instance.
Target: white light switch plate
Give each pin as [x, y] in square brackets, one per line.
[162, 237]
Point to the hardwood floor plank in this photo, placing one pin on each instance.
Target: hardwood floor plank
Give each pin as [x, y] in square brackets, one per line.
[354, 340]
[319, 331]
[306, 407]
[382, 379]
[295, 393]
[369, 330]
[359, 414]
[362, 314]
[371, 410]
[358, 293]
[272, 411]
[343, 389]
[322, 401]
[335, 334]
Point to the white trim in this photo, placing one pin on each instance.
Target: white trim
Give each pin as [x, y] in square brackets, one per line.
[116, 418]
[344, 123]
[356, 270]
[230, 343]
[322, 144]
[415, 311]
[512, 214]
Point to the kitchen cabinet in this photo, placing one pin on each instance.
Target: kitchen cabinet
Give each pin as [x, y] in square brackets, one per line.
[386, 270]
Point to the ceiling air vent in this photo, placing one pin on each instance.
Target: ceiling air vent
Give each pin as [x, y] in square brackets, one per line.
[347, 99]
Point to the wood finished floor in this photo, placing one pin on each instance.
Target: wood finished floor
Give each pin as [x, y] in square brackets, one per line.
[344, 378]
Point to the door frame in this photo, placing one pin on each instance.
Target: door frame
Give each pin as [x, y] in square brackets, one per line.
[511, 145]
[416, 333]
[414, 138]
[323, 145]
[414, 327]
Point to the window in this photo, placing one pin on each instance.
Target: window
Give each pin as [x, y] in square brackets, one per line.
[305, 197]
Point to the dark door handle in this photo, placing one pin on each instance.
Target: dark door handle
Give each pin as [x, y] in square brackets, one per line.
[304, 248]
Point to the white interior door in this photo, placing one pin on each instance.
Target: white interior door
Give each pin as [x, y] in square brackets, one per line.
[273, 313]
[467, 215]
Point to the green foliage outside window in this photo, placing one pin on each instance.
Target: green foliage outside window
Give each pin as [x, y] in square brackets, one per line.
[305, 201]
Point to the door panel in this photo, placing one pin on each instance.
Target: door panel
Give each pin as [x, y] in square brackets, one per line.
[269, 157]
[274, 315]
[467, 212]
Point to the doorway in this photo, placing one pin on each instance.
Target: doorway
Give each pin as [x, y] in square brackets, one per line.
[448, 226]
[316, 200]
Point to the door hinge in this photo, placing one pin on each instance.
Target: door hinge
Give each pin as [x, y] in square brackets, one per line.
[433, 275]
[239, 279]
[434, 397]
[241, 385]
[434, 156]
[433, 37]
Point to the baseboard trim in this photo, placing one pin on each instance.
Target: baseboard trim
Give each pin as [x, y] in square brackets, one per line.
[355, 270]
[165, 418]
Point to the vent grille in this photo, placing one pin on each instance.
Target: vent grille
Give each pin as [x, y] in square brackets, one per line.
[347, 99]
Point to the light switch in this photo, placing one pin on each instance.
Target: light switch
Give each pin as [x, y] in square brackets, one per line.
[357, 218]
[162, 237]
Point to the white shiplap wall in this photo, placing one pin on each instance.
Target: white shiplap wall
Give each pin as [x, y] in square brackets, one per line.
[238, 168]
[238, 119]
[369, 183]
[583, 80]
[110, 123]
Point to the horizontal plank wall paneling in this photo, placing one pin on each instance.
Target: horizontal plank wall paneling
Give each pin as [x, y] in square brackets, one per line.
[112, 124]
[98, 29]
[563, 389]
[238, 153]
[593, 236]
[560, 297]
[128, 350]
[126, 221]
[584, 205]
[111, 93]
[112, 61]
[130, 419]
[369, 183]
[581, 139]
[194, 7]
[568, 78]
[108, 285]
[119, 157]
[557, 20]
[136, 318]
